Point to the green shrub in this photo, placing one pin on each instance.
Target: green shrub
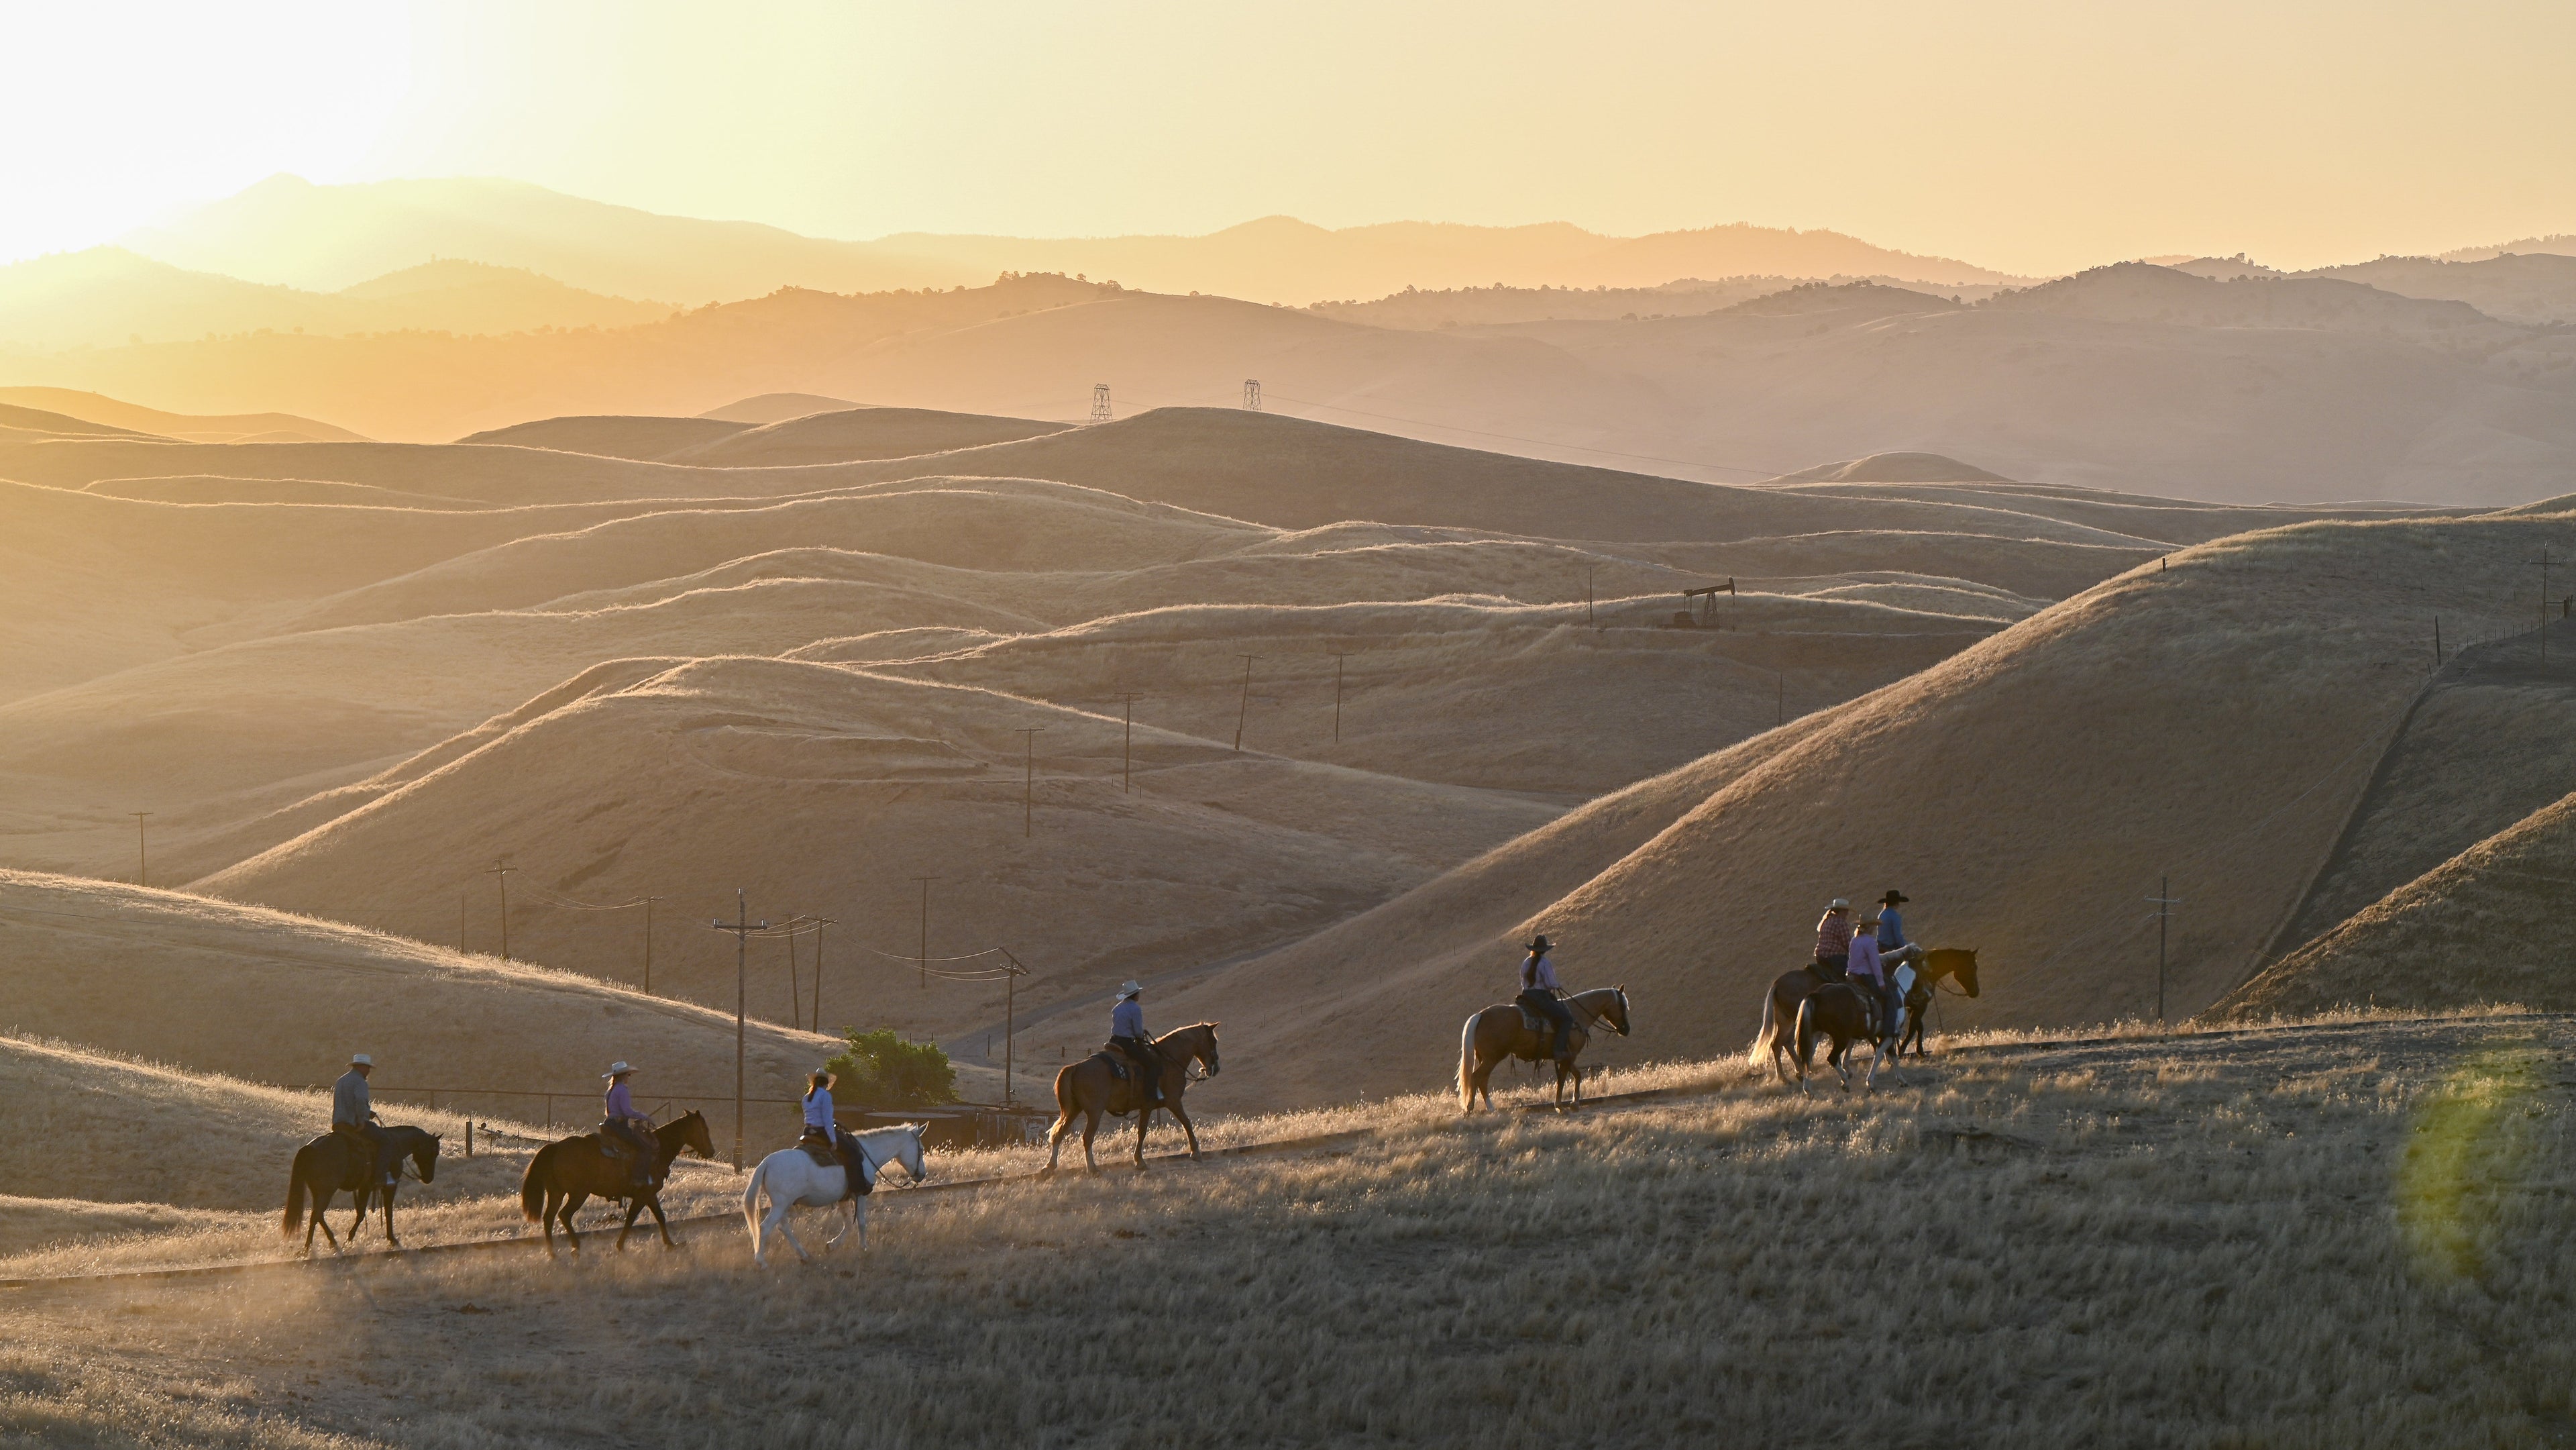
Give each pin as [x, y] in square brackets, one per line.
[881, 1070]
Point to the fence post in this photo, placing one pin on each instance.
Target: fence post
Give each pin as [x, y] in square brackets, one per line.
[469, 1135]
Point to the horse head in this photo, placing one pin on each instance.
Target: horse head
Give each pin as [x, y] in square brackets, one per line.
[907, 1150]
[1206, 1053]
[1966, 970]
[1619, 1009]
[690, 1128]
[424, 1156]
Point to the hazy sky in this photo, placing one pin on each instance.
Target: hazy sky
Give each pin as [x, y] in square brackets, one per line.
[2036, 137]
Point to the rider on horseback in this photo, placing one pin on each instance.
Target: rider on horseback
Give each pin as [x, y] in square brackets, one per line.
[622, 1125]
[1893, 948]
[353, 1116]
[822, 1129]
[1539, 994]
[1127, 1034]
[1833, 940]
[1870, 977]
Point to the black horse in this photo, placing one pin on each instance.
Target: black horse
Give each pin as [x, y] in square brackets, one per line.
[567, 1173]
[334, 1164]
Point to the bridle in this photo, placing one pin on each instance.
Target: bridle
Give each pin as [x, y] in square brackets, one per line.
[1604, 1016]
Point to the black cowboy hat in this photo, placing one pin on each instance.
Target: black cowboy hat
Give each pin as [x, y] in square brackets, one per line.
[1894, 896]
[1540, 943]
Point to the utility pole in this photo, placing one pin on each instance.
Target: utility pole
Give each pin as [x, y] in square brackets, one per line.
[1587, 592]
[1127, 768]
[2545, 563]
[649, 899]
[1243, 710]
[2437, 641]
[142, 857]
[742, 926]
[2164, 904]
[795, 983]
[925, 929]
[501, 869]
[1029, 781]
[1010, 1017]
[1779, 698]
[1252, 394]
[460, 923]
[1099, 402]
[820, 922]
[1337, 697]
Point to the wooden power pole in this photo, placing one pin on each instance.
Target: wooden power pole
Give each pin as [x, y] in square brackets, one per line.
[742, 926]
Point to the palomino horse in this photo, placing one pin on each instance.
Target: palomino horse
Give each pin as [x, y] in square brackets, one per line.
[332, 1164]
[791, 1178]
[1780, 1007]
[1959, 962]
[1836, 1010]
[1500, 1032]
[1090, 1088]
[567, 1173]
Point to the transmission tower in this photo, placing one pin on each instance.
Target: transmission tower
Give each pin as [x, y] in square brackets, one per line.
[1099, 402]
[1252, 394]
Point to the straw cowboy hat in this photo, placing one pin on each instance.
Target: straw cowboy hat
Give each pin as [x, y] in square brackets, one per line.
[1540, 943]
[1894, 897]
[360, 1059]
[1841, 903]
[823, 1077]
[1129, 988]
[619, 1068]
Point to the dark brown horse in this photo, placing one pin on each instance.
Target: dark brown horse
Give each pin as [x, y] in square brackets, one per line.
[1959, 962]
[334, 1164]
[567, 1173]
[1780, 1008]
[1500, 1032]
[1835, 1010]
[1091, 1087]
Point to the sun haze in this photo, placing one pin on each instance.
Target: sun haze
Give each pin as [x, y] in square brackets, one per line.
[2032, 137]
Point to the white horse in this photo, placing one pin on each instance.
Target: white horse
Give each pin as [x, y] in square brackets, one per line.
[791, 1177]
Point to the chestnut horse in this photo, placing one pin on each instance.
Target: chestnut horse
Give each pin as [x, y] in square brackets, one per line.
[1500, 1032]
[1837, 1010]
[569, 1172]
[1092, 1087]
[1780, 1008]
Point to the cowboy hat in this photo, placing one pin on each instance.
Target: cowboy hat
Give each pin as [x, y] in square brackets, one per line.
[360, 1059]
[1841, 903]
[1893, 896]
[825, 1076]
[618, 1068]
[1540, 943]
[1129, 988]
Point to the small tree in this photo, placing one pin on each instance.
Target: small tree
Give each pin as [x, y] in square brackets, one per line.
[880, 1069]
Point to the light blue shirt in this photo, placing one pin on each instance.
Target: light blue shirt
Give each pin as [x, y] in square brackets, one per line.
[818, 1109]
[1127, 1019]
[1891, 930]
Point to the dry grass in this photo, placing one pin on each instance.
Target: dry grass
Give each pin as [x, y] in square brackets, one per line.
[2334, 1239]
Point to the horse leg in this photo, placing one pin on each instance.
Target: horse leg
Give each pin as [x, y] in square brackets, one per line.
[778, 1219]
[1090, 1129]
[574, 1198]
[390, 1240]
[546, 1218]
[1184, 1120]
[634, 1211]
[661, 1223]
[1144, 1115]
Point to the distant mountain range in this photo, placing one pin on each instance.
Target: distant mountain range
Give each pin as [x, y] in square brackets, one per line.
[2133, 376]
[288, 231]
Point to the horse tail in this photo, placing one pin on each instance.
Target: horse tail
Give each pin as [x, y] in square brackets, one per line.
[1467, 1064]
[1806, 1032]
[751, 1197]
[1770, 1033]
[532, 1184]
[294, 1197]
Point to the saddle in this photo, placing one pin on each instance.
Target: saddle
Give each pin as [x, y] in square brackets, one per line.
[1119, 1065]
[820, 1149]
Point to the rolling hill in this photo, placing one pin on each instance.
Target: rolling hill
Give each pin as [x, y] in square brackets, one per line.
[2294, 655]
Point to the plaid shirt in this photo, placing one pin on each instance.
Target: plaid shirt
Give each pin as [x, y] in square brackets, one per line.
[1834, 934]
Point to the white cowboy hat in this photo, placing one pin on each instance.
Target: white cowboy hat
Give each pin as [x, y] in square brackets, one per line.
[618, 1069]
[360, 1059]
[1129, 988]
[1840, 904]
